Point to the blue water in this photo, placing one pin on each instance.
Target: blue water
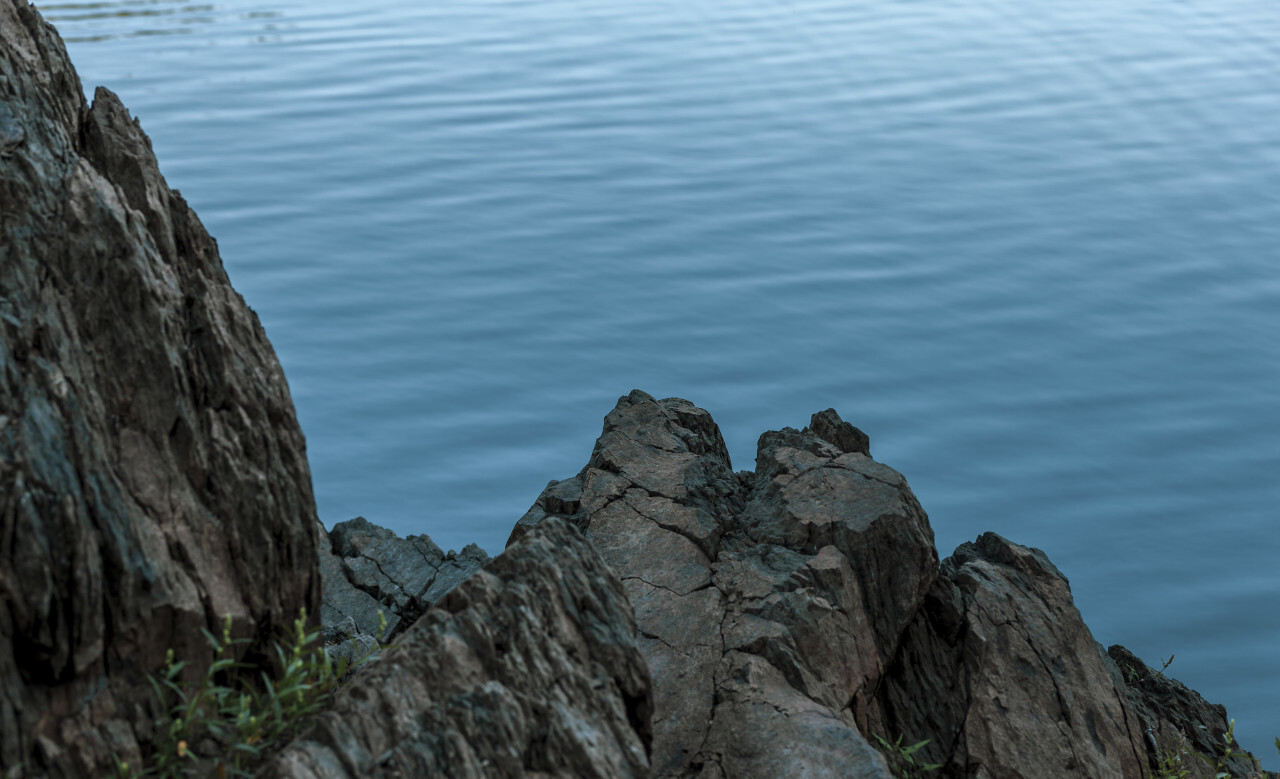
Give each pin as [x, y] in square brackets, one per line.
[1031, 249]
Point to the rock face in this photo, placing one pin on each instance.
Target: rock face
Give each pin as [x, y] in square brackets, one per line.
[528, 668]
[1176, 721]
[769, 604]
[791, 614]
[999, 670]
[152, 475]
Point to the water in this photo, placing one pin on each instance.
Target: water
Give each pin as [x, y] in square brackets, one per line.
[1033, 253]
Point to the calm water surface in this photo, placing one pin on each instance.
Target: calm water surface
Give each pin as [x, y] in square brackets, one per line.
[1032, 252]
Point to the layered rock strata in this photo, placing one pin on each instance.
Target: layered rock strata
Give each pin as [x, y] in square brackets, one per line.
[153, 477]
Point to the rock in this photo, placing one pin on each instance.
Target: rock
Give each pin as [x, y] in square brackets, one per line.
[369, 569]
[767, 603]
[153, 479]
[341, 601]
[999, 670]
[347, 649]
[152, 474]
[1176, 723]
[528, 668]
[791, 615]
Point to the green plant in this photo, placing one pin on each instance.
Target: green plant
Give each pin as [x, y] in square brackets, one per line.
[210, 727]
[1220, 762]
[902, 759]
[1169, 766]
[1133, 677]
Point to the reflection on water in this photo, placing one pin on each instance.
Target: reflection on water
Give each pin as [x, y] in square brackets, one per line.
[101, 21]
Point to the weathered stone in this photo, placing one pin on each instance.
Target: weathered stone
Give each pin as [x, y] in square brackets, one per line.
[1177, 723]
[342, 601]
[752, 591]
[152, 475]
[528, 668]
[1000, 672]
[369, 569]
[790, 615]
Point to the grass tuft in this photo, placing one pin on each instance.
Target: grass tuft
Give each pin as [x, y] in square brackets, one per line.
[211, 728]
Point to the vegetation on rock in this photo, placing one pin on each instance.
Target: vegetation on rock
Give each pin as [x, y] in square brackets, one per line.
[229, 720]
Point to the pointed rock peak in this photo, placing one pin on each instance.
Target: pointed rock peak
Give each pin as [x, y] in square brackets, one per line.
[671, 425]
[828, 426]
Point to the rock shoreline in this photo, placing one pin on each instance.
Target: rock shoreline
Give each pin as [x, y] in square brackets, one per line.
[657, 614]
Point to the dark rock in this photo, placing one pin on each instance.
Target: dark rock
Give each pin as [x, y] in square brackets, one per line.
[369, 569]
[342, 601]
[152, 475]
[529, 667]
[347, 649]
[1177, 723]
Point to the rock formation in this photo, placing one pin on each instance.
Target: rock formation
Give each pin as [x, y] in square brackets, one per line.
[657, 614]
[153, 477]
[527, 668]
[791, 615]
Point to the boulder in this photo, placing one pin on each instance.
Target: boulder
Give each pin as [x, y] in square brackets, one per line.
[153, 476]
[527, 668]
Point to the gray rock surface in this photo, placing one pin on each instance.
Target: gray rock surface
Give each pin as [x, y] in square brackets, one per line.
[768, 603]
[1000, 671]
[791, 614]
[152, 475]
[528, 668]
[368, 569]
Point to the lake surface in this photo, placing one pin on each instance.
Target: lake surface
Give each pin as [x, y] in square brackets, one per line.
[1033, 251]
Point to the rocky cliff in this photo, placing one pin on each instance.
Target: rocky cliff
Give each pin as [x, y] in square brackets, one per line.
[153, 477]
[657, 614]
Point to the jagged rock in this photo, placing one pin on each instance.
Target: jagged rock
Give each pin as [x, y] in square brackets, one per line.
[341, 601]
[1000, 671]
[152, 474]
[1177, 723]
[791, 614]
[528, 668]
[767, 603]
[367, 569]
